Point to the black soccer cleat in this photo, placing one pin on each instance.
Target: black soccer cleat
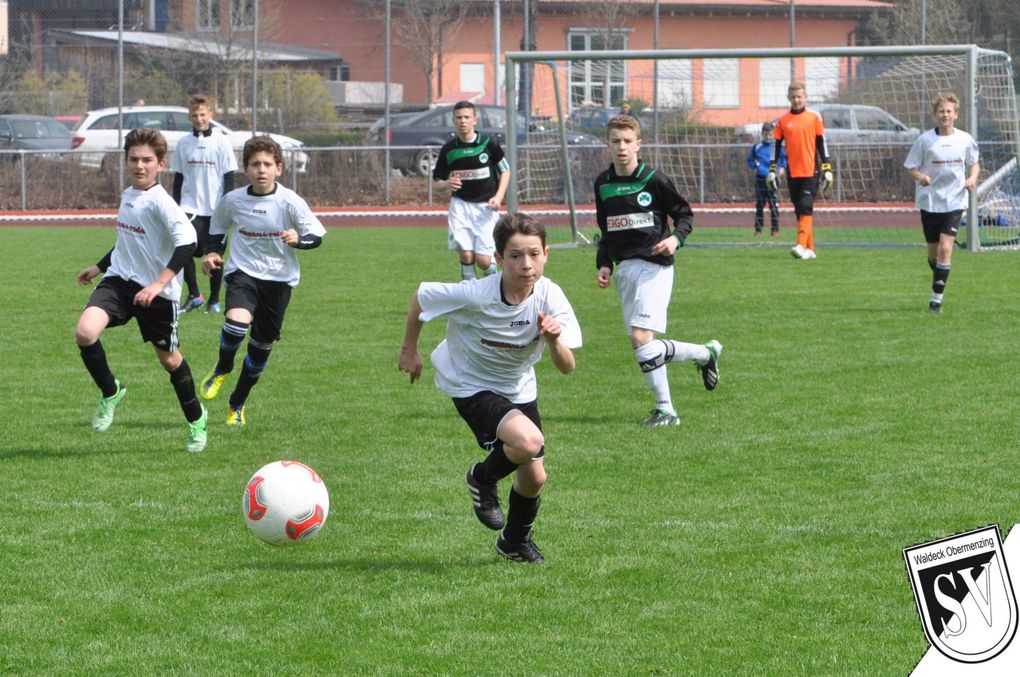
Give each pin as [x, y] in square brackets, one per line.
[525, 551]
[935, 307]
[485, 498]
[710, 370]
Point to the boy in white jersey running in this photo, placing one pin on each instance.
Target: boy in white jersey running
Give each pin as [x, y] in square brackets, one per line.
[204, 166]
[497, 328]
[944, 163]
[142, 281]
[270, 222]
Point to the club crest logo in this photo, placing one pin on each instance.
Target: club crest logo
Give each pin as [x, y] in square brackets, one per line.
[483, 158]
[644, 198]
[964, 594]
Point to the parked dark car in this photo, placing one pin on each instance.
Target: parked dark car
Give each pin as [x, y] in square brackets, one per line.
[32, 132]
[428, 130]
[591, 118]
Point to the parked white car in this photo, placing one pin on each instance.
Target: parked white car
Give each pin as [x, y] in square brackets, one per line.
[97, 131]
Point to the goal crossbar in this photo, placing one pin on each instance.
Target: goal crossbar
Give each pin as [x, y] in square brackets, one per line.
[969, 54]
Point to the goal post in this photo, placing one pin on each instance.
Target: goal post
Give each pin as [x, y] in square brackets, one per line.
[701, 110]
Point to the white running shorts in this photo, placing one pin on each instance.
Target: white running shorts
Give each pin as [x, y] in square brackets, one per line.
[645, 289]
[471, 225]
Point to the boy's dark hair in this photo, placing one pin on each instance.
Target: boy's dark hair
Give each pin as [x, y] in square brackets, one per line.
[463, 104]
[200, 100]
[514, 224]
[767, 127]
[144, 136]
[263, 143]
[624, 122]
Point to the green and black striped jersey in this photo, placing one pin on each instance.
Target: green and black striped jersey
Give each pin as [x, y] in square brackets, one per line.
[633, 213]
[477, 163]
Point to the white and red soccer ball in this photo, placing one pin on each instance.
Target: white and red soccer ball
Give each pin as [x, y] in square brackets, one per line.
[285, 503]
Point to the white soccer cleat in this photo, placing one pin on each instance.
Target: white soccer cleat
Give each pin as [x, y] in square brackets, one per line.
[797, 251]
[809, 254]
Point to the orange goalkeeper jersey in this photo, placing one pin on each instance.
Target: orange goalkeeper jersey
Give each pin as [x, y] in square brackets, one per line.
[800, 131]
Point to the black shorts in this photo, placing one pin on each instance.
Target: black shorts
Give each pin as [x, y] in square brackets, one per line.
[158, 322]
[802, 194]
[201, 224]
[266, 300]
[936, 224]
[485, 410]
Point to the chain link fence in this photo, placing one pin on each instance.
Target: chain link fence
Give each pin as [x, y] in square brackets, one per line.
[71, 63]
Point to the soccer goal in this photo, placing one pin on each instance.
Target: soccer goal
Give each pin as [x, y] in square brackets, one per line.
[701, 110]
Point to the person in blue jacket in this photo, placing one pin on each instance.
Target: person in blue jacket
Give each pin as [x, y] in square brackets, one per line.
[758, 159]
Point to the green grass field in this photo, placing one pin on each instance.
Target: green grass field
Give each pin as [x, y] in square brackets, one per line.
[763, 536]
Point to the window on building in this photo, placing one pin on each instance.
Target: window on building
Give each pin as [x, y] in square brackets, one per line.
[721, 83]
[822, 77]
[340, 73]
[773, 80]
[675, 83]
[207, 15]
[603, 83]
[242, 13]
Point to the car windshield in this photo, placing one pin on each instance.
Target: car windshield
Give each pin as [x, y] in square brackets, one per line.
[38, 129]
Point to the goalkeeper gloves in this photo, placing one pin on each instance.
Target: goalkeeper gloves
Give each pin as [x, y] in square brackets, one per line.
[771, 181]
[826, 177]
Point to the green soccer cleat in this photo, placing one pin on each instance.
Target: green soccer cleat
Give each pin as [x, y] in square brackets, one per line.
[710, 370]
[235, 417]
[103, 417]
[659, 419]
[210, 386]
[196, 433]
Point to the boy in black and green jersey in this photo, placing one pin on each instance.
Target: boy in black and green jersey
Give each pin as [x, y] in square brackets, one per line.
[472, 166]
[633, 206]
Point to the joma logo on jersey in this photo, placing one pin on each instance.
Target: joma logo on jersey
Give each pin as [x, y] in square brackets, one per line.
[519, 323]
[259, 211]
[964, 594]
[630, 221]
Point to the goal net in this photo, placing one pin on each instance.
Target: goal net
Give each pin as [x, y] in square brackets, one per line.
[701, 110]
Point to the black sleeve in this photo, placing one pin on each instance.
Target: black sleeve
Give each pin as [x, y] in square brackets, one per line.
[228, 182]
[181, 256]
[217, 243]
[104, 262]
[440, 172]
[680, 212]
[777, 151]
[823, 152]
[602, 257]
[308, 242]
[178, 185]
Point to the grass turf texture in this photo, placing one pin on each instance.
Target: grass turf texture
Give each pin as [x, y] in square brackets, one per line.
[763, 536]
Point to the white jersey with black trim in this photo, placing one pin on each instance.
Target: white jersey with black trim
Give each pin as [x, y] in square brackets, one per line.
[490, 344]
[258, 222]
[945, 158]
[202, 161]
[150, 225]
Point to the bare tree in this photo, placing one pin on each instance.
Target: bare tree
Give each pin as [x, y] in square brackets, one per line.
[951, 23]
[424, 27]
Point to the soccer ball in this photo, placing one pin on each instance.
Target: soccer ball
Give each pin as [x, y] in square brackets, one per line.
[285, 503]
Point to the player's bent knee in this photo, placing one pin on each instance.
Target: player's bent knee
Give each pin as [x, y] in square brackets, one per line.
[170, 361]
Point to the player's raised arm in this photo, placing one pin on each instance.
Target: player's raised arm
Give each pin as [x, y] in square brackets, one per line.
[562, 356]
